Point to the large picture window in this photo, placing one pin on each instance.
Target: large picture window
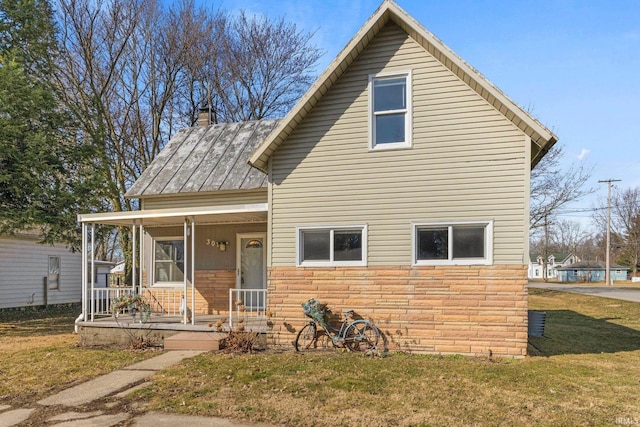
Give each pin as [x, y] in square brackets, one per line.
[168, 260]
[332, 246]
[462, 243]
[390, 107]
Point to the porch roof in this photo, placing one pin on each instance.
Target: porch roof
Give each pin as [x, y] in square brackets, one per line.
[256, 212]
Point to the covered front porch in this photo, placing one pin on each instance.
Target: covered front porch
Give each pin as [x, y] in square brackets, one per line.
[196, 269]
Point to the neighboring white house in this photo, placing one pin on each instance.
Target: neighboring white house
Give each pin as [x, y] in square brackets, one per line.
[116, 274]
[555, 261]
[33, 274]
[102, 273]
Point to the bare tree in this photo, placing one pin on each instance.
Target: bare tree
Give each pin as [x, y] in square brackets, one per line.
[568, 236]
[267, 66]
[553, 187]
[134, 71]
[120, 66]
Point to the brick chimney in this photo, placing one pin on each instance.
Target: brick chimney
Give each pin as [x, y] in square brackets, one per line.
[204, 116]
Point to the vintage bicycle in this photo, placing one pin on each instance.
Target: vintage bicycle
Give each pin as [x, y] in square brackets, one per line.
[357, 335]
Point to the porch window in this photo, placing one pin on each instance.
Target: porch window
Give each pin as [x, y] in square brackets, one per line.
[168, 261]
[53, 278]
[461, 243]
[390, 111]
[332, 246]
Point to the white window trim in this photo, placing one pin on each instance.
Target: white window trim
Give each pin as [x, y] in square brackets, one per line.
[488, 243]
[408, 113]
[154, 283]
[331, 228]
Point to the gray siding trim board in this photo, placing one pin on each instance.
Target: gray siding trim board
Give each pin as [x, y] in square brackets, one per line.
[200, 200]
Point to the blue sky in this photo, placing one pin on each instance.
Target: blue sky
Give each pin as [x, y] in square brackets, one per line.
[575, 64]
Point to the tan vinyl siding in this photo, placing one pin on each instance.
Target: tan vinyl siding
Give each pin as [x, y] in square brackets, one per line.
[220, 198]
[24, 263]
[467, 162]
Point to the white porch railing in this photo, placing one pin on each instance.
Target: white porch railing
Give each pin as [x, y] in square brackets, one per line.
[162, 300]
[101, 300]
[249, 304]
[165, 300]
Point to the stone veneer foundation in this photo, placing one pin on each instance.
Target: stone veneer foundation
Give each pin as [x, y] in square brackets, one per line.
[470, 310]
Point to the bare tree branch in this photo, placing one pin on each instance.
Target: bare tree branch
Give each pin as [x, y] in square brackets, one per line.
[553, 187]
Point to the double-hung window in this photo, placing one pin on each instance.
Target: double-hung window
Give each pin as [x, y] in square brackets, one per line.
[390, 111]
[168, 260]
[332, 246]
[53, 278]
[460, 243]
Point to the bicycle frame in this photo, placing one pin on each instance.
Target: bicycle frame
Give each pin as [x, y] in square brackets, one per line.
[336, 335]
[355, 335]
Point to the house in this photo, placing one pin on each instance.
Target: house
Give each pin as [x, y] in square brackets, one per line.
[33, 274]
[102, 273]
[591, 271]
[554, 260]
[116, 274]
[398, 186]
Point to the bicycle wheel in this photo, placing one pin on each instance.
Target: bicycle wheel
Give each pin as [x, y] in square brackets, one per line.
[361, 335]
[310, 338]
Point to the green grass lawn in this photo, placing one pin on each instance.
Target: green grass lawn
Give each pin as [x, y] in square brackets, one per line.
[39, 355]
[585, 371]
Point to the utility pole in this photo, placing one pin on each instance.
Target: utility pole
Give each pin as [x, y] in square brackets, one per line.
[607, 271]
[545, 256]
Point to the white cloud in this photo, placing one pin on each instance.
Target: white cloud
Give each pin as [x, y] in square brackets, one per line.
[583, 154]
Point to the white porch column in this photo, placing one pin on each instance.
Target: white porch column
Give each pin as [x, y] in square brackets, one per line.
[193, 270]
[93, 267]
[184, 300]
[141, 258]
[84, 271]
[133, 258]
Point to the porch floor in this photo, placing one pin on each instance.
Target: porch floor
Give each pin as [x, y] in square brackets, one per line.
[160, 322]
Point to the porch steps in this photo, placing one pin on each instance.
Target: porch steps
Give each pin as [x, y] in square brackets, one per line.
[195, 341]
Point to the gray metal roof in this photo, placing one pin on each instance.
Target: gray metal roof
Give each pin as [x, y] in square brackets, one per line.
[206, 158]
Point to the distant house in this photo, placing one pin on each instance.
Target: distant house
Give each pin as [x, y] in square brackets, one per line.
[33, 274]
[102, 276]
[398, 186]
[554, 261]
[591, 271]
[116, 274]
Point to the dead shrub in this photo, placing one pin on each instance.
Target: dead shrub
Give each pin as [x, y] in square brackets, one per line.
[241, 341]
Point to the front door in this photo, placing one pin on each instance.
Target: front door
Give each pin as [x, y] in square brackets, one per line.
[251, 271]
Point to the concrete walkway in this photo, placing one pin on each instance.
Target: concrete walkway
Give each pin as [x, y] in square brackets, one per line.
[622, 293]
[122, 382]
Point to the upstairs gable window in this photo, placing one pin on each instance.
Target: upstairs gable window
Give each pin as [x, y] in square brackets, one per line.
[390, 108]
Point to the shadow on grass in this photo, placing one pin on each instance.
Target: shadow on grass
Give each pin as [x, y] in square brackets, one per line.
[39, 321]
[569, 332]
